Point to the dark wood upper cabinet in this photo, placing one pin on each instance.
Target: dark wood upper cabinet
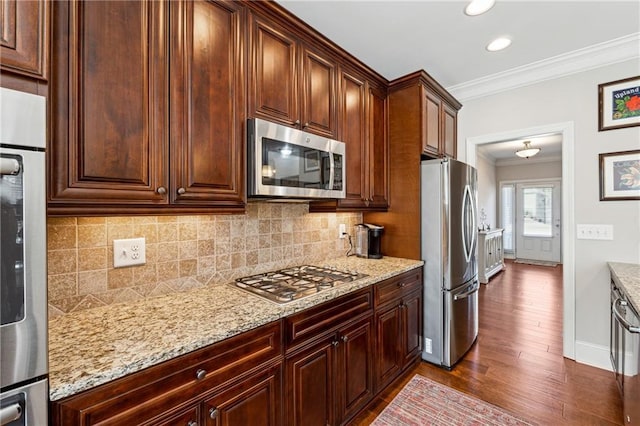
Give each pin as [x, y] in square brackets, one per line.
[290, 82]
[24, 37]
[116, 140]
[207, 98]
[378, 150]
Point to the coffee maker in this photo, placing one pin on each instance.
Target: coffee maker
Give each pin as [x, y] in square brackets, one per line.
[368, 240]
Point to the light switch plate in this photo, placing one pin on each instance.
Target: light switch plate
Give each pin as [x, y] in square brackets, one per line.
[594, 232]
[129, 252]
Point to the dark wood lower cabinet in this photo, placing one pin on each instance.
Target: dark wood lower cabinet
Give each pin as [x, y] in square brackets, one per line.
[320, 366]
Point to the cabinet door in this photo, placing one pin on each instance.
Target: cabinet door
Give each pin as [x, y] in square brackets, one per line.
[430, 122]
[256, 401]
[378, 150]
[319, 76]
[411, 312]
[109, 103]
[207, 95]
[23, 37]
[189, 416]
[310, 380]
[353, 132]
[449, 130]
[273, 71]
[388, 345]
[355, 375]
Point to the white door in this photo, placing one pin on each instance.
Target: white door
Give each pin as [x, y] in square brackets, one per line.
[538, 221]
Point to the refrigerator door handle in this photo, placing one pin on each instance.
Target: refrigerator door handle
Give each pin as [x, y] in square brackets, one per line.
[466, 227]
[474, 289]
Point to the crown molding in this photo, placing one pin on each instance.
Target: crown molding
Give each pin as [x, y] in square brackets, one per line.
[607, 53]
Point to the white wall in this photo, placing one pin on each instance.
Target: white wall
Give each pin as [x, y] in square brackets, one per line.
[538, 170]
[574, 99]
[487, 192]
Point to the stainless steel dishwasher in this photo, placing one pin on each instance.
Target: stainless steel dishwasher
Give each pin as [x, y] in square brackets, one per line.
[625, 353]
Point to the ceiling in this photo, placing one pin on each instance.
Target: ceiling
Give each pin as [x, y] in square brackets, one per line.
[398, 37]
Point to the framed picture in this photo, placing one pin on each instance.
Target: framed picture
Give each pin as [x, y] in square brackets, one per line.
[620, 175]
[311, 160]
[619, 104]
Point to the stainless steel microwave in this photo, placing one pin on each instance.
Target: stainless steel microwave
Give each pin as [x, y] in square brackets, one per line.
[288, 163]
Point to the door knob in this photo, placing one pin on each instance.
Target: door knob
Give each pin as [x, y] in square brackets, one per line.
[181, 191]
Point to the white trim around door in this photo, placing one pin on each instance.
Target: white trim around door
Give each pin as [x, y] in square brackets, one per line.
[568, 214]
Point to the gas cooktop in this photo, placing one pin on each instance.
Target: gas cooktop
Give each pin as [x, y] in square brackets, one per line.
[296, 282]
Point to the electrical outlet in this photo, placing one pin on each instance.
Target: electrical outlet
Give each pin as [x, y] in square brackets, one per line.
[342, 230]
[427, 345]
[129, 252]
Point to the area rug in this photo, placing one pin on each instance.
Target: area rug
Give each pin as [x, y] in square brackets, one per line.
[536, 262]
[425, 402]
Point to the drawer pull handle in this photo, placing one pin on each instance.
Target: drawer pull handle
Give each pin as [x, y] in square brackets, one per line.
[345, 338]
[213, 413]
[335, 343]
[192, 423]
[201, 374]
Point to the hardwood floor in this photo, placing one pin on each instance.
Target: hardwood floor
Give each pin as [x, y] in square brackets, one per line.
[517, 361]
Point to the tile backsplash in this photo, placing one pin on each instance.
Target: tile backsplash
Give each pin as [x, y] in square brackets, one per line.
[183, 252]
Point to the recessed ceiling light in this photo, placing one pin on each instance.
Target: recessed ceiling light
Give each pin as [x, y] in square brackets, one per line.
[478, 7]
[499, 44]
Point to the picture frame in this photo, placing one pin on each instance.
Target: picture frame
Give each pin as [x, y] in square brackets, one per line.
[311, 160]
[619, 175]
[619, 104]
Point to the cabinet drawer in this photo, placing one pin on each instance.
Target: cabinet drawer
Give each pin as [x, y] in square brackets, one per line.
[327, 316]
[396, 287]
[152, 392]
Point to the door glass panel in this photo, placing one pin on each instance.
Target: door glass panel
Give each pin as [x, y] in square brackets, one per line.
[11, 240]
[507, 216]
[537, 218]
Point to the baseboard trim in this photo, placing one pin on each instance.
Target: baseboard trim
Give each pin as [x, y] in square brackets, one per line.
[598, 356]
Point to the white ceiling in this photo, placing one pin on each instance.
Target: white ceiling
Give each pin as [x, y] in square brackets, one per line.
[398, 37]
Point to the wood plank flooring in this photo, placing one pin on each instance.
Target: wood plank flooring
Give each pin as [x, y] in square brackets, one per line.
[517, 362]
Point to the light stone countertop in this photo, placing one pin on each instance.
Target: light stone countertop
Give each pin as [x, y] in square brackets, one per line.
[627, 275]
[94, 346]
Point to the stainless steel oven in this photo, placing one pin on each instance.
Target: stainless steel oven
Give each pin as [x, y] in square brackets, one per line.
[625, 353]
[289, 163]
[23, 299]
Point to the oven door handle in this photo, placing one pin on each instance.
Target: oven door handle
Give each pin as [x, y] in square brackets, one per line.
[620, 317]
[10, 413]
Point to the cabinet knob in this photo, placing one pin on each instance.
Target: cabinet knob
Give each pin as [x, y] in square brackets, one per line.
[345, 338]
[213, 413]
[201, 374]
[335, 343]
[192, 423]
[181, 191]
[402, 284]
[306, 124]
[161, 190]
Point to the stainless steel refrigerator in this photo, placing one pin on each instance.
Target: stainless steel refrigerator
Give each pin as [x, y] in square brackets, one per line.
[448, 247]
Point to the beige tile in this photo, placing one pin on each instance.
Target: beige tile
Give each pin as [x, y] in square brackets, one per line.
[222, 246]
[276, 211]
[237, 245]
[88, 302]
[66, 304]
[61, 237]
[61, 262]
[62, 221]
[264, 255]
[144, 274]
[168, 270]
[119, 220]
[287, 225]
[167, 219]
[120, 278]
[147, 230]
[188, 267]
[92, 282]
[276, 226]
[252, 258]
[206, 230]
[167, 231]
[264, 241]
[206, 265]
[188, 249]
[276, 253]
[185, 219]
[53, 312]
[252, 243]
[264, 210]
[252, 227]
[264, 226]
[62, 286]
[187, 231]
[92, 235]
[90, 259]
[276, 240]
[238, 228]
[119, 231]
[167, 252]
[223, 262]
[92, 221]
[223, 229]
[145, 220]
[206, 248]
[238, 260]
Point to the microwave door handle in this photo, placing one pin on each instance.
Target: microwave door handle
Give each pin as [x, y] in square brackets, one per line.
[331, 171]
[620, 317]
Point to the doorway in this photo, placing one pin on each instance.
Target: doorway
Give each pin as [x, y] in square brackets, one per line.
[566, 130]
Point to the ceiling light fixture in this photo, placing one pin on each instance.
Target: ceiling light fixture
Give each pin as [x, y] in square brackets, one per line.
[499, 44]
[478, 7]
[527, 151]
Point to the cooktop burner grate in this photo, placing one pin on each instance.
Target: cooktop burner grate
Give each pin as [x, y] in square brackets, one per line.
[296, 282]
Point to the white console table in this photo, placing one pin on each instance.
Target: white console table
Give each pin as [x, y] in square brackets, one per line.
[490, 254]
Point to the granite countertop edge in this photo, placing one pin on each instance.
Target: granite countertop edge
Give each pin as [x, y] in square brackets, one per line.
[113, 341]
[627, 276]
